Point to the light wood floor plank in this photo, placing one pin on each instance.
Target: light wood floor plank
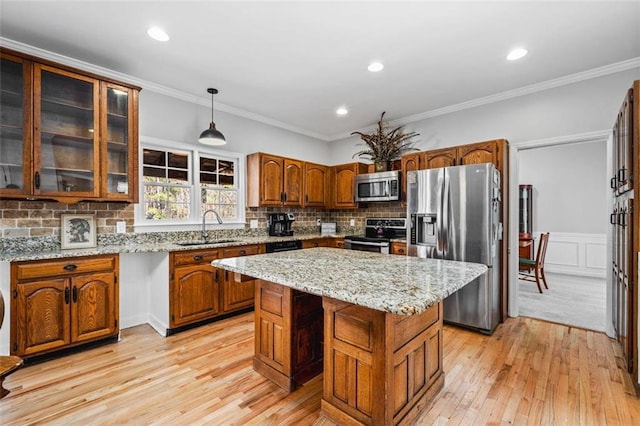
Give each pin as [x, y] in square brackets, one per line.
[527, 372]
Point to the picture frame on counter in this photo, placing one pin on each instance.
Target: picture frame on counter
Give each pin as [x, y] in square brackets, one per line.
[77, 231]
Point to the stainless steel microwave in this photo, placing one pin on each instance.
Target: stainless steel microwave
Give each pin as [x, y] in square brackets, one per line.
[383, 186]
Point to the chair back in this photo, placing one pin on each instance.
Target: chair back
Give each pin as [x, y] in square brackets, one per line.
[1, 309]
[542, 249]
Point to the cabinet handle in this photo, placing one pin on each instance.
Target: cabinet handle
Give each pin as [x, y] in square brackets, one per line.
[306, 199]
[243, 252]
[75, 294]
[315, 244]
[621, 220]
[66, 296]
[282, 197]
[217, 275]
[226, 275]
[285, 197]
[454, 161]
[197, 258]
[36, 180]
[70, 267]
[461, 162]
[612, 183]
[612, 218]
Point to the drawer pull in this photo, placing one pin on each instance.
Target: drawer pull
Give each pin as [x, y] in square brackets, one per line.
[197, 257]
[243, 252]
[70, 267]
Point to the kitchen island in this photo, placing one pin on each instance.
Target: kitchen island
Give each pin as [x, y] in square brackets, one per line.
[372, 323]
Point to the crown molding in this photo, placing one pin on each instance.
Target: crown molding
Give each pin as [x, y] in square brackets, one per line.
[153, 87]
[510, 94]
[177, 94]
[595, 136]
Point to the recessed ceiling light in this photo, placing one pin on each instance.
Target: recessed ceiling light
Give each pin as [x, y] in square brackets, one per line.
[517, 54]
[375, 67]
[342, 111]
[158, 33]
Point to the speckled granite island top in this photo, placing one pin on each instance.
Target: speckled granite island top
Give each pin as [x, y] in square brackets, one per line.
[389, 283]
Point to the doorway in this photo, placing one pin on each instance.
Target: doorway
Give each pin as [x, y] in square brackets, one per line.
[571, 201]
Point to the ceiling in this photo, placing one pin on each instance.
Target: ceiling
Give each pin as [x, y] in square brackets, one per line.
[293, 63]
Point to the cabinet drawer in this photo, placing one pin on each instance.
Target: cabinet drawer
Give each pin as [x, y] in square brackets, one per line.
[194, 257]
[240, 251]
[58, 267]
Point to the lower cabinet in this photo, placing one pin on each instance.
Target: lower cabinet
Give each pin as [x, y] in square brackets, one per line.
[199, 291]
[399, 248]
[194, 287]
[61, 303]
[316, 242]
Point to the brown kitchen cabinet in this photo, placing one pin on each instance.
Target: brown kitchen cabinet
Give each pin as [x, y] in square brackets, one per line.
[60, 303]
[316, 185]
[343, 184]
[398, 247]
[289, 334]
[475, 153]
[411, 162]
[238, 290]
[66, 135]
[199, 291]
[274, 181]
[315, 242]
[194, 287]
[337, 243]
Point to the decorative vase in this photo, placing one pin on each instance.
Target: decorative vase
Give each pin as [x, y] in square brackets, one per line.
[381, 166]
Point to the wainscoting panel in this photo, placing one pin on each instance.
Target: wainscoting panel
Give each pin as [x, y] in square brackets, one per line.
[576, 254]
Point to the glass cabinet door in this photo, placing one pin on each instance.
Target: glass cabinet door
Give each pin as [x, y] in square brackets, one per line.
[66, 133]
[15, 117]
[117, 146]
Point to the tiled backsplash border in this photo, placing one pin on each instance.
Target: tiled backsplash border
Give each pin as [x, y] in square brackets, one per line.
[40, 220]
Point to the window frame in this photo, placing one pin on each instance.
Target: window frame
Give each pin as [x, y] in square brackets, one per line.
[195, 217]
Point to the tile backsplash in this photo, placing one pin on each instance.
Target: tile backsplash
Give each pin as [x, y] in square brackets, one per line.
[20, 218]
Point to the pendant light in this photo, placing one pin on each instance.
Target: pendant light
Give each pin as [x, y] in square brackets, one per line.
[211, 136]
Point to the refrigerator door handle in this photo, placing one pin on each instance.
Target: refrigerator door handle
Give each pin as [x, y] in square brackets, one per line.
[445, 215]
[439, 249]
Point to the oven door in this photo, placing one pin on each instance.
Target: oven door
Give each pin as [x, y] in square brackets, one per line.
[375, 247]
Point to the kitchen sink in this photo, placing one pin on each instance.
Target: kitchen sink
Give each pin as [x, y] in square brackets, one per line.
[204, 242]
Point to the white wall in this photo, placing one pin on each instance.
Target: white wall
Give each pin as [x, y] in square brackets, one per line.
[582, 107]
[172, 119]
[569, 187]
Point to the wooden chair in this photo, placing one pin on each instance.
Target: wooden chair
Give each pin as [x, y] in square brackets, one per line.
[8, 364]
[536, 265]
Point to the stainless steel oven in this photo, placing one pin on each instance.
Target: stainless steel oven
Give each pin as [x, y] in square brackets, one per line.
[378, 235]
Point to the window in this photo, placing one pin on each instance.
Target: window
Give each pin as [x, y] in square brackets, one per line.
[179, 183]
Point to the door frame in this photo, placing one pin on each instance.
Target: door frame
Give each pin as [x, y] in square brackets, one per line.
[603, 136]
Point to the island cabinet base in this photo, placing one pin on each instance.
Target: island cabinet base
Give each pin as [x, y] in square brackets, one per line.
[288, 334]
[379, 368]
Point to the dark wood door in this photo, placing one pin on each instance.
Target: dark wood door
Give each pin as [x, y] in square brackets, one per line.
[238, 291]
[440, 158]
[344, 176]
[411, 162]
[94, 306]
[40, 316]
[315, 185]
[195, 294]
[292, 183]
[271, 180]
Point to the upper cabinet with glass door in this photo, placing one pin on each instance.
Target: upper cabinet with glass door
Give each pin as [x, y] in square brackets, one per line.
[15, 125]
[79, 139]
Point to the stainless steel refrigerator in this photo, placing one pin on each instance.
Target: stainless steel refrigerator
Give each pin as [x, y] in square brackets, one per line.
[454, 214]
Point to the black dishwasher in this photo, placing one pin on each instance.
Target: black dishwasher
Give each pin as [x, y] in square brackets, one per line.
[283, 246]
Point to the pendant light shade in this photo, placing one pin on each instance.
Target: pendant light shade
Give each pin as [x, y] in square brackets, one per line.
[212, 136]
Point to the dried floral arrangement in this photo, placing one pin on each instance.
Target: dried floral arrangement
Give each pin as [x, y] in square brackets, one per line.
[385, 145]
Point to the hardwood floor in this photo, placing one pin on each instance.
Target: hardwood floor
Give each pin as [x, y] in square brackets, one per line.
[528, 372]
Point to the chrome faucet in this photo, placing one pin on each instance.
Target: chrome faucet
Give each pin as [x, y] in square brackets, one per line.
[203, 233]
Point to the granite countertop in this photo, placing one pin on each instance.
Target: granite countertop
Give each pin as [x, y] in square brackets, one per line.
[146, 247]
[396, 284]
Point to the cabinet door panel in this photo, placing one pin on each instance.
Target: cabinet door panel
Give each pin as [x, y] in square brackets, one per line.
[315, 183]
[93, 307]
[271, 170]
[483, 152]
[344, 180]
[440, 158]
[41, 316]
[66, 133]
[292, 185]
[411, 162]
[195, 294]
[15, 125]
[238, 291]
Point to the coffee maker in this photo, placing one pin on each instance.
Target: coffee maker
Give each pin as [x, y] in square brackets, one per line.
[280, 224]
